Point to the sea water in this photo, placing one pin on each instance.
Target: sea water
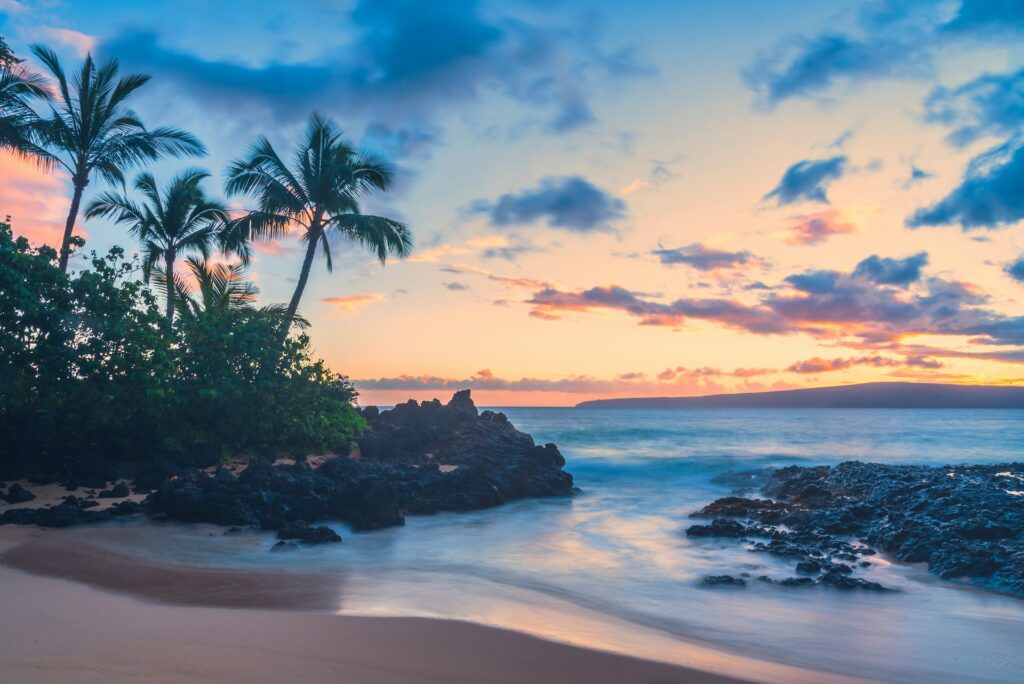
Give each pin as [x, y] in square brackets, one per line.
[612, 567]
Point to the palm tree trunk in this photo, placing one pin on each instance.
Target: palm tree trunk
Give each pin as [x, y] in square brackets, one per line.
[169, 269]
[76, 201]
[315, 235]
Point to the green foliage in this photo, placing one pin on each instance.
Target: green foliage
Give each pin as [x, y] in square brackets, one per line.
[83, 364]
[91, 374]
[236, 387]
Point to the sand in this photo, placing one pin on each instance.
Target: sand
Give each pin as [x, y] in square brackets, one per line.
[59, 630]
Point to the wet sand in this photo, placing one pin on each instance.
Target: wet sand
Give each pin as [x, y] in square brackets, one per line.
[81, 632]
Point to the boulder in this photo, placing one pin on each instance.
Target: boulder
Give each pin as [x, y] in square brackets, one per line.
[719, 527]
[17, 494]
[308, 535]
[724, 580]
[118, 491]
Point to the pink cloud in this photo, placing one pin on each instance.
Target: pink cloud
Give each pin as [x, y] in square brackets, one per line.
[351, 303]
[35, 200]
[813, 229]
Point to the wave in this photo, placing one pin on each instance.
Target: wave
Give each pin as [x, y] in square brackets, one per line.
[668, 468]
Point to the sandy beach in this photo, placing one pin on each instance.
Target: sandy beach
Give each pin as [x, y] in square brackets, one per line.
[58, 630]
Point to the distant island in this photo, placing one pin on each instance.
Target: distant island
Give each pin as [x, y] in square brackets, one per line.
[868, 395]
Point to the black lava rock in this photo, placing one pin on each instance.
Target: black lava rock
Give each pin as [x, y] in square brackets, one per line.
[719, 527]
[961, 520]
[724, 580]
[415, 459]
[808, 567]
[17, 494]
[118, 491]
[308, 535]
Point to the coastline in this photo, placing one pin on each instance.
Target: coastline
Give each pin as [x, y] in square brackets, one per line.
[125, 619]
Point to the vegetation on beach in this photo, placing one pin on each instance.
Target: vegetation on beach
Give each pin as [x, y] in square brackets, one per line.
[166, 354]
[91, 375]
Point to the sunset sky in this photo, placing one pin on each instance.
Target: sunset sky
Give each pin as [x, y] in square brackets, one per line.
[650, 198]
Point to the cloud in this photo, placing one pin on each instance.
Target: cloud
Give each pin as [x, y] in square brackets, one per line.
[888, 271]
[633, 186]
[987, 16]
[456, 286]
[510, 252]
[549, 303]
[923, 362]
[397, 64]
[990, 195]
[866, 305]
[514, 281]
[81, 43]
[809, 66]
[888, 39]
[571, 203]
[702, 258]
[673, 380]
[1016, 269]
[35, 200]
[820, 365]
[434, 254]
[841, 139]
[875, 306]
[917, 175]
[660, 174]
[279, 247]
[509, 248]
[812, 229]
[351, 303]
[814, 282]
[807, 180]
[991, 104]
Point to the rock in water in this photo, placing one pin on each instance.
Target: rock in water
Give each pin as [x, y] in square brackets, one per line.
[724, 580]
[719, 527]
[308, 535]
[965, 521]
[414, 459]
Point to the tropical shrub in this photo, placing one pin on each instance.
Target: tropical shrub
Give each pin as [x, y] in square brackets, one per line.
[92, 376]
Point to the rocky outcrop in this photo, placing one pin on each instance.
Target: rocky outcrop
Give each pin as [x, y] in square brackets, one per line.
[964, 521]
[71, 511]
[414, 459]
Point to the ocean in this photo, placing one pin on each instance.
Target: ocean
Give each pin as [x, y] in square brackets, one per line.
[611, 568]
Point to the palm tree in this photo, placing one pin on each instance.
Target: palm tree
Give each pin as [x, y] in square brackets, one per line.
[19, 123]
[212, 289]
[181, 220]
[91, 130]
[319, 194]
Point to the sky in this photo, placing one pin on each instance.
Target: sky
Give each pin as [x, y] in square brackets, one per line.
[610, 199]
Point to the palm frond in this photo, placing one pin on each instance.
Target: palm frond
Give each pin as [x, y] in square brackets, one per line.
[380, 235]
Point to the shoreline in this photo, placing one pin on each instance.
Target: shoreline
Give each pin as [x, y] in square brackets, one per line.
[182, 623]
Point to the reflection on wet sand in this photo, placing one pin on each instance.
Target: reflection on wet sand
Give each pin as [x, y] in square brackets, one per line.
[70, 555]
